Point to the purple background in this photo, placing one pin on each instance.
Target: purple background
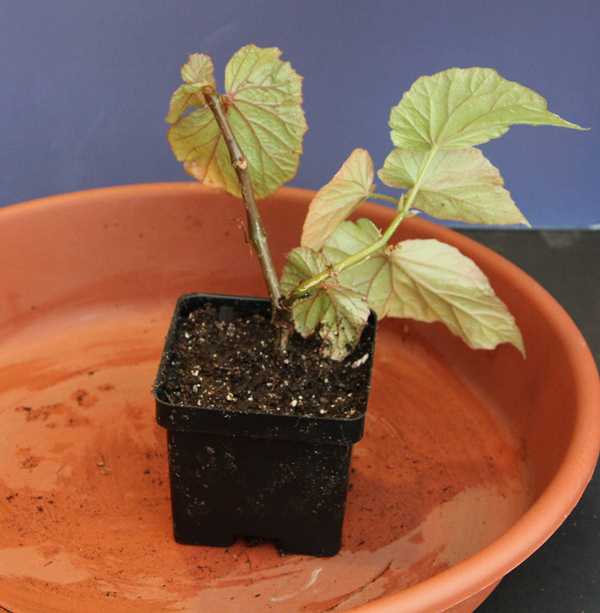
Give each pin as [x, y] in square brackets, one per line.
[85, 85]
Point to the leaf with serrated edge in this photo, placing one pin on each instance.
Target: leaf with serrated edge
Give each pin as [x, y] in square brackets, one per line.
[465, 106]
[430, 281]
[339, 314]
[264, 95]
[264, 109]
[351, 185]
[198, 70]
[424, 280]
[459, 184]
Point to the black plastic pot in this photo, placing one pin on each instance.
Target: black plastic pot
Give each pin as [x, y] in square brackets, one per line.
[281, 478]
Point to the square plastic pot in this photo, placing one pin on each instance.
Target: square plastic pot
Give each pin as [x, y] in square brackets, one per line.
[282, 478]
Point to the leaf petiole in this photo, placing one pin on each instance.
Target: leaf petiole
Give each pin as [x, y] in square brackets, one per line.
[403, 204]
[375, 196]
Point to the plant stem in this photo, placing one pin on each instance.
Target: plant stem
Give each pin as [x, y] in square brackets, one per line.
[385, 197]
[403, 206]
[256, 229]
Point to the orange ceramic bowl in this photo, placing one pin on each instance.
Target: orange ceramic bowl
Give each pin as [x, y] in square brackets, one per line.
[471, 459]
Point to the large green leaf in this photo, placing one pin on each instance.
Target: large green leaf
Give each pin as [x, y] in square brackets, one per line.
[424, 280]
[351, 185]
[465, 106]
[431, 281]
[265, 112]
[263, 103]
[459, 184]
[338, 313]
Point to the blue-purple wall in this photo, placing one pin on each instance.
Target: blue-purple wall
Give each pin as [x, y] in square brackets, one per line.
[84, 85]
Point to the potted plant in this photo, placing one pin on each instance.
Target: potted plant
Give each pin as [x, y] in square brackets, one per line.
[263, 399]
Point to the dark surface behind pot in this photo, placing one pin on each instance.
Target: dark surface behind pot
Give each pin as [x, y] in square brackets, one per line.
[564, 575]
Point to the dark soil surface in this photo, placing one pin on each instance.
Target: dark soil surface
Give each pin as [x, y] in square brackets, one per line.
[223, 362]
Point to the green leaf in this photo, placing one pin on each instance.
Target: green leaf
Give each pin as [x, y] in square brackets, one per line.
[264, 96]
[183, 98]
[339, 314]
[351, 185]
[199, 70]
[349, 238]
[465, 106]
[342, 322]
[301, 263]
[264, 108]
[459, 184]
[430, 281]
[197, 142]
[424, 280]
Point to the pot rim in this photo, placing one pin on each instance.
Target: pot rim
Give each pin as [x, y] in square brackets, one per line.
[166, 406]
[486, 567]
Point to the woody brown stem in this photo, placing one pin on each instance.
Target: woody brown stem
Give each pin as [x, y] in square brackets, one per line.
[256, 230]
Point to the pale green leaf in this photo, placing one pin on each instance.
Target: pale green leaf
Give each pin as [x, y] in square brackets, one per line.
[264, 108]
[199, 70]
[424, 280]
[196, 74]
[339, 314]
[349, 238]
[371, 277]
[264, 95]
[197, 142]
[459, 184]
[465, 106]
[302, 263]
[343, 321]
[183, 97]
[430, 281]
[351, 185]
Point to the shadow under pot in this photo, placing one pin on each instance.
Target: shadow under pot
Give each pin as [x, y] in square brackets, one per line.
[259, 444]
